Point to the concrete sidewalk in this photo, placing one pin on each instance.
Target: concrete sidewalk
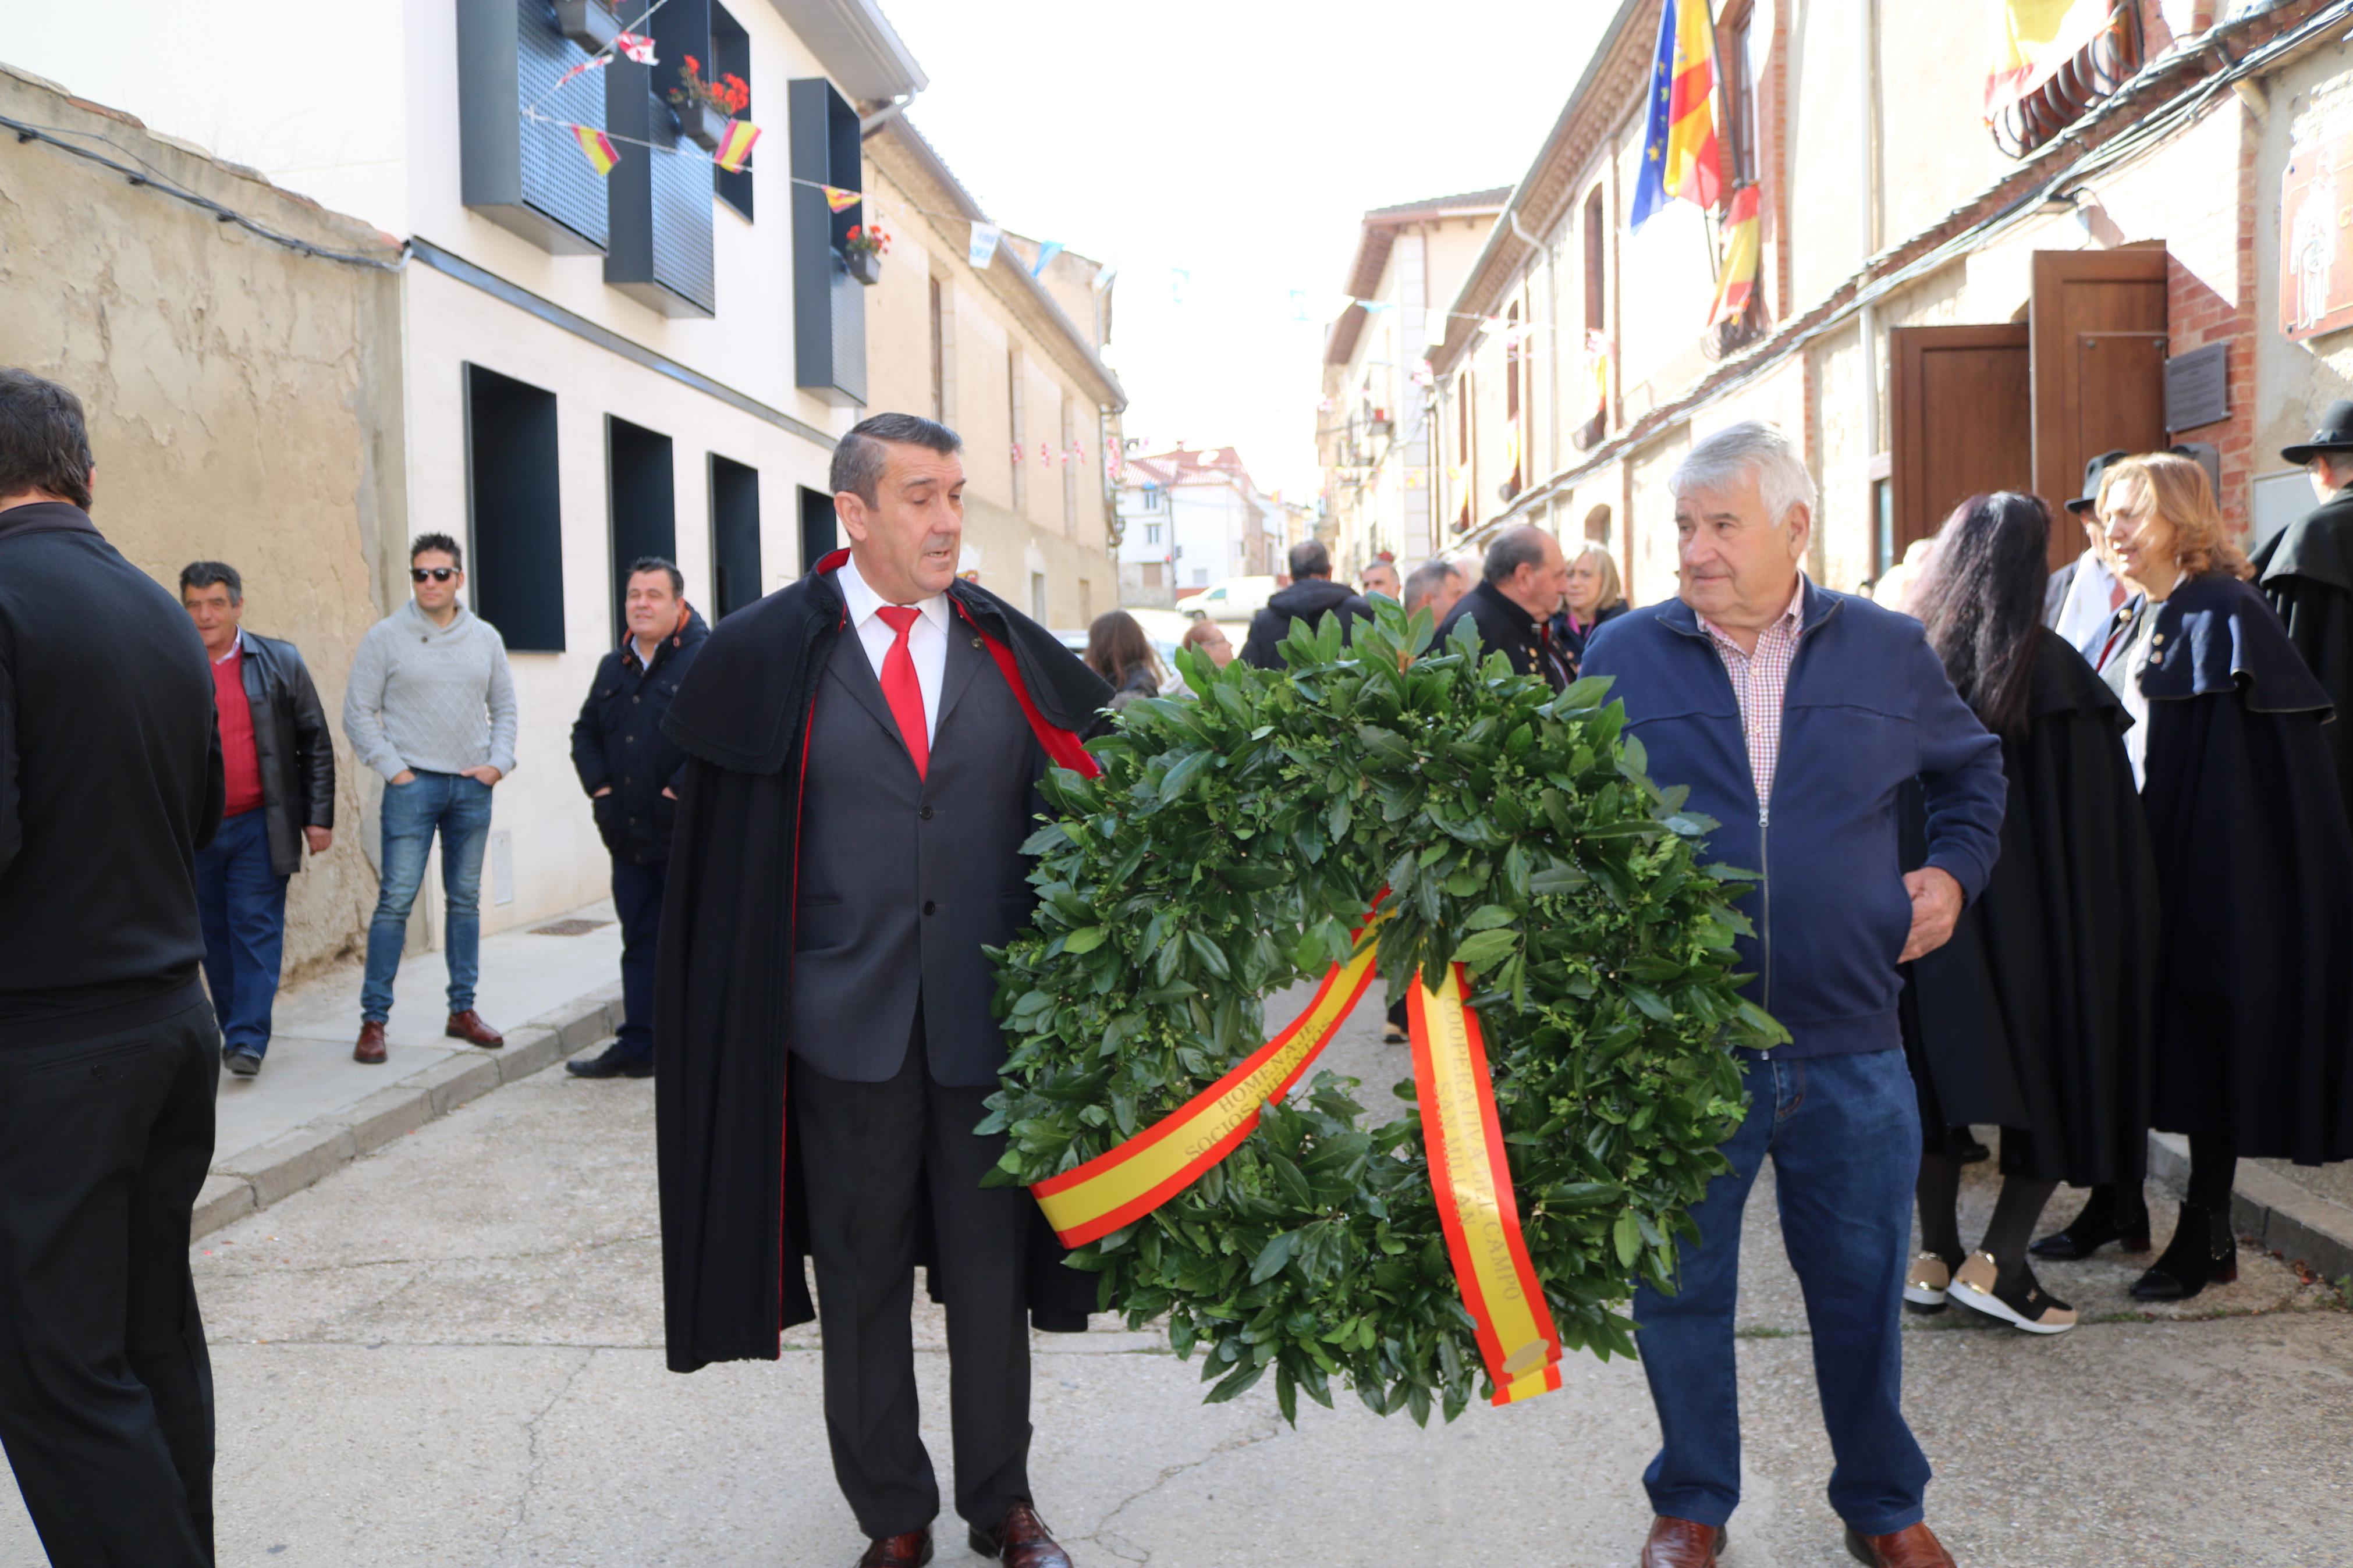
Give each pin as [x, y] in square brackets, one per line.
[551, 988]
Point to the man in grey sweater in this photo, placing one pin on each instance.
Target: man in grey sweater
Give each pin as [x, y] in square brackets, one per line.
[431, 707]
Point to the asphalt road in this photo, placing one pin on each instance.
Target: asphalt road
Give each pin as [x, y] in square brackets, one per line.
[449, 1353]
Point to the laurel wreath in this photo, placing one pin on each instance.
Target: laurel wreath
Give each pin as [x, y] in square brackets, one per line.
[1230, 848]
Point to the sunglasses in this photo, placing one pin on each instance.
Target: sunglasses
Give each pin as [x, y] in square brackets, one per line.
[438, 573]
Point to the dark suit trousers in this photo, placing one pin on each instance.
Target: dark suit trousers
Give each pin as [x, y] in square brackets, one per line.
[106, 1392]
[869, 1152]
[637, 899]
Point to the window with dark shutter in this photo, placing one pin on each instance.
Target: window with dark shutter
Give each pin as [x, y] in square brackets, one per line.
[731, 55]
[514, 510]
[641, 502]
[820, 530]
[734, 535]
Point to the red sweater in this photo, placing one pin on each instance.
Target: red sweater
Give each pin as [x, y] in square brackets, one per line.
[240, 763]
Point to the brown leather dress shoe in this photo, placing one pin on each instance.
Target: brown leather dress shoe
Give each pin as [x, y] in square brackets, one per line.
[911, 1550]
[1682, 1543]
[1019, 1541]
[370, 1048]
[469, 1026]
[1915, 1547]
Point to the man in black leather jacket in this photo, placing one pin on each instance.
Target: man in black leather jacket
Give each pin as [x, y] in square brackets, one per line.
[1311, 596]
[630, 770]
[279, 761]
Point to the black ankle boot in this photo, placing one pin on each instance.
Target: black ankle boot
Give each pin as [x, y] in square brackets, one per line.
[2103, 1219]
[2202, 1252]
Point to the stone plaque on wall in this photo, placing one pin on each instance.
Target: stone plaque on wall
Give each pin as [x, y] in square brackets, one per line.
[2198, 387]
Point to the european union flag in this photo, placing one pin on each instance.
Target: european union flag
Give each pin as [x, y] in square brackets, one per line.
[1650, 184]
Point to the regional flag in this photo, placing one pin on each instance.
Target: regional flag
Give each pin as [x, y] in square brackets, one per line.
[1736, 280]
[598, 148]
[2032, 40]
[1679, 158]
[736, 147]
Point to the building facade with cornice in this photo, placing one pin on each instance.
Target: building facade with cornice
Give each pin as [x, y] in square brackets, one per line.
[1943, 305]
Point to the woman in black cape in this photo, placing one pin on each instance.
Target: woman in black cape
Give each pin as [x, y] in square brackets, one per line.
[2035, 1015]
[2254, 1038]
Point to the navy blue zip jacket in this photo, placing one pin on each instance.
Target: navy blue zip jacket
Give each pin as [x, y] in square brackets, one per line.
[1868, 710]
[618, 742]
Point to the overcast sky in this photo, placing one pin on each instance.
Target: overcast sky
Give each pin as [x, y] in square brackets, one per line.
[1238, 141]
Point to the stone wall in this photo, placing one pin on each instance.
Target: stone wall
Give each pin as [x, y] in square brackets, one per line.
[244, 397]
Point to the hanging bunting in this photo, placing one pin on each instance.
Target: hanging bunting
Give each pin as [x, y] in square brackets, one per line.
[598, 147]
[1016, 453]
[1046, 453]
[737, 146]
[982, 249]
[637, 46]
[1178, 281]
[1743, 244]
[1375, 306]
[1679, 158]
[1434, 329]
[1047, 251]
[1596, 364]
[839, 200]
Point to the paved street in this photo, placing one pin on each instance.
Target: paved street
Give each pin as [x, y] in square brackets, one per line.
[449, 1352]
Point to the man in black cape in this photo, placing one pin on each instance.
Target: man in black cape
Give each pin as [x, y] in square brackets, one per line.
[862, 752]
[2305, 570]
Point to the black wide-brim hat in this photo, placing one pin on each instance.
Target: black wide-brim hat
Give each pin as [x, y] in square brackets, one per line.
[2335, 435]
[2092, 472]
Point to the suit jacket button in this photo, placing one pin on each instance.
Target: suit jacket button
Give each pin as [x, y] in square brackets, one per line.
[925, 813]
[929, 907]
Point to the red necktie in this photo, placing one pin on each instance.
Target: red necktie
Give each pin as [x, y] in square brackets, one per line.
[899, 687]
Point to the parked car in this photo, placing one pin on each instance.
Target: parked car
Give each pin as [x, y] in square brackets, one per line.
[1228, 599]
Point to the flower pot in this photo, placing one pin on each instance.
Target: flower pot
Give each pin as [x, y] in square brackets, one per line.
[587, 23]
[705, 126]
[866, 266]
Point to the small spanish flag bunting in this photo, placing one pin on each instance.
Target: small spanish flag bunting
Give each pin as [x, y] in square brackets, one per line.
[1735, 279]
[738, 147]
[598, 148]
[838, 200]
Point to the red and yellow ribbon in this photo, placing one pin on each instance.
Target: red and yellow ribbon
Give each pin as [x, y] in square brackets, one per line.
[1468, 1172]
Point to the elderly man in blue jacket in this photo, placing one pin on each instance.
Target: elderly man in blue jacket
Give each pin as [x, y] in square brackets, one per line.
[1796, 715]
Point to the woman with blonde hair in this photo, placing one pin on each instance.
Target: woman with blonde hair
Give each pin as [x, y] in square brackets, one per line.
[1594, 596]
[2252, 1053]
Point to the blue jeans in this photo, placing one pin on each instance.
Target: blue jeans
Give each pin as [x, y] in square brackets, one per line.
[459, 808]
[1844, 1134]
[241, 904]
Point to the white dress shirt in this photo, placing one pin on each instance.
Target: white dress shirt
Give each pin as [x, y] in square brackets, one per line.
[927, 639]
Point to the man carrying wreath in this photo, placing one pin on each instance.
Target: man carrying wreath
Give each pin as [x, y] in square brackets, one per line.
[1795, 716]
[863, 749]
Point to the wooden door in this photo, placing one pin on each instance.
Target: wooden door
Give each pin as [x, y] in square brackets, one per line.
[1958, 402]
[2098, 319]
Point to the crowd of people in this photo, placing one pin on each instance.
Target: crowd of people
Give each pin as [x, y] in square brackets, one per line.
[2067, 855]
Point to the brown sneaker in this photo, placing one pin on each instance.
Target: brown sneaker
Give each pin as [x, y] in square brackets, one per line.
[469, 1026]
[1914, 1547]
[370, 1048]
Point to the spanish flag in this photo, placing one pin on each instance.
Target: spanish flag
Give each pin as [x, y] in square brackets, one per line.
[1735, 279]
[838, 199]
[737, 147]
[1680, 160]
[2032, 40]
[598, 148]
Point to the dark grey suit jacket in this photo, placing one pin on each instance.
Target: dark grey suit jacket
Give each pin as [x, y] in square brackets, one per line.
[904, 880]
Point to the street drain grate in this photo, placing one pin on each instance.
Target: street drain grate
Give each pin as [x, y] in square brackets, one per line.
[568, 928]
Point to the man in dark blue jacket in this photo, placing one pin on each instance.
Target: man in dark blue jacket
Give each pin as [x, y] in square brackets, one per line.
[631, 769]
[1796, 715]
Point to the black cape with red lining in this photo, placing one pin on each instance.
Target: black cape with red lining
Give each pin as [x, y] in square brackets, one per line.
[2255, 864]
[2036, 1017]
[734, 1233]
